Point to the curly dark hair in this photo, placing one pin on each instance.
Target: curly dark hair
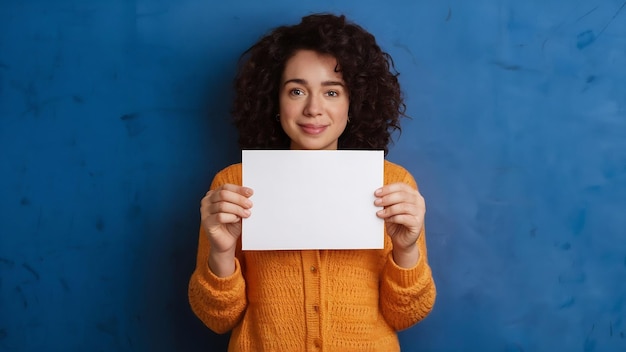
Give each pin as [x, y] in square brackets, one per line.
[376, 102]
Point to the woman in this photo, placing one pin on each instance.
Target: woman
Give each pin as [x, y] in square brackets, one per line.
[323, 84]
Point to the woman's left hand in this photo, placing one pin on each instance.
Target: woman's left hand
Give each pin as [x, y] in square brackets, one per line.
[403, 212]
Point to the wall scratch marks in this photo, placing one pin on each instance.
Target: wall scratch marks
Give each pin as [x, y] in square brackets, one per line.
[31, 270]
[612, 19]
[587, 14]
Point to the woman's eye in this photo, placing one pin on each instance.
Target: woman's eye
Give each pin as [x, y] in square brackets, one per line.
[297, 91]
[333, 93]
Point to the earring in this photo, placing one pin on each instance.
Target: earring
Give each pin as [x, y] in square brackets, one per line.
[348, 118]
[277, 117]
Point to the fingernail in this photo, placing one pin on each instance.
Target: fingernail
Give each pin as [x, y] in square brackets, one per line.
[378, 191]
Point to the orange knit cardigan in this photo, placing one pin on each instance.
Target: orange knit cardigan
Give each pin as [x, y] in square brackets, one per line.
[313, 300]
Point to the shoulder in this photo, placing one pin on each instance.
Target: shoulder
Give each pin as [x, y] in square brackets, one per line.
[234, 169]
[230, 174]
[396, 173]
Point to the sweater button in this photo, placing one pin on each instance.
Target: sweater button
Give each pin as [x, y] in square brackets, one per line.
[317, 343]
[313, 269]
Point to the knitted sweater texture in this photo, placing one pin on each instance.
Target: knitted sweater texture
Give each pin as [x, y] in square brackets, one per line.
[313, 300]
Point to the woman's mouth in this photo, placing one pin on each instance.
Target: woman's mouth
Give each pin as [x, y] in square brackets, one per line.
[312, 129]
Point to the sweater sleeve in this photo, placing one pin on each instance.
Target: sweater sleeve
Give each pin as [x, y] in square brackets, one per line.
[407, 295]
[219, 302]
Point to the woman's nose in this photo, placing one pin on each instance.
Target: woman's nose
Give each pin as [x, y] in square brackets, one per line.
[313, 106]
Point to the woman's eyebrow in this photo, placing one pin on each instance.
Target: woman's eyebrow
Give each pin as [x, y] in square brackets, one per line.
[333, 83]
[296, 80]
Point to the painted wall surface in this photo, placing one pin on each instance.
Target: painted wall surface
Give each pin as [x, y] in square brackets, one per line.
[114, 119]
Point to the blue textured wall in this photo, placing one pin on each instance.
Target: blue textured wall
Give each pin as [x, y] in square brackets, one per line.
[113, 120]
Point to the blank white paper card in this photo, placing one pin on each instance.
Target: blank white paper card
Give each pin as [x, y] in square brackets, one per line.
[313, 199]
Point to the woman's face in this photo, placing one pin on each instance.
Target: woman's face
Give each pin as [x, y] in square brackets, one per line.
[313, 101]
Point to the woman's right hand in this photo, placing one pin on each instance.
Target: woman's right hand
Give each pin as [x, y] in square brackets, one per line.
[221, 211]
